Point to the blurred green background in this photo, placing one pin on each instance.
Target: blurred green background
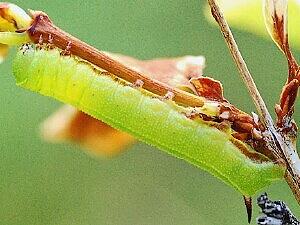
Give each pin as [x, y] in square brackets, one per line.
[45, 184]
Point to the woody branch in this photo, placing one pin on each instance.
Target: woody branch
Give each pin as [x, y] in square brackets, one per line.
[279, 144]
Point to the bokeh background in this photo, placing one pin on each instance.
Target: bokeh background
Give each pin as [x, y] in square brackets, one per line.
[41, 183]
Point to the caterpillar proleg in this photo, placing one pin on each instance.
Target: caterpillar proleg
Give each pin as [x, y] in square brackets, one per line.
[158, 122]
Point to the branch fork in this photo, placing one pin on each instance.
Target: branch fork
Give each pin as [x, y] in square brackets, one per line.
[280, 137]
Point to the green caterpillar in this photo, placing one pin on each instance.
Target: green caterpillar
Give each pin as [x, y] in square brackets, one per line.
[158, 122]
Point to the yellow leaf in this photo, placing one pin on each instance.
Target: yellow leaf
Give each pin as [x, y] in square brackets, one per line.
[12, 18]
[247, 15]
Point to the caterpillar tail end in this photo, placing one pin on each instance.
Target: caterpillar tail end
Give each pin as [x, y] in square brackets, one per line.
[248, 204]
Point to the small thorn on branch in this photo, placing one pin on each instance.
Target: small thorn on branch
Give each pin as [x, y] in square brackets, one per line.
[169, 96]
[137, 84]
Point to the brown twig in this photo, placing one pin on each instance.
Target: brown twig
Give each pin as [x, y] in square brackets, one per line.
[279, 144]
[42, 27]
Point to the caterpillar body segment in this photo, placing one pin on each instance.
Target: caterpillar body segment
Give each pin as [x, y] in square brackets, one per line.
[158, 122]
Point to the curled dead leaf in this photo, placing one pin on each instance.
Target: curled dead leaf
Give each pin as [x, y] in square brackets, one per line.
[275, 12]
[208, 88]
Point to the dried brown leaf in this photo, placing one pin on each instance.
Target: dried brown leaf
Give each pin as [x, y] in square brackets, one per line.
[275, 12]
[175, 72]
[208, 88]
[70, 124]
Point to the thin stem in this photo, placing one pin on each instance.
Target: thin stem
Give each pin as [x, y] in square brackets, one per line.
[240, 63]
[279, 145]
